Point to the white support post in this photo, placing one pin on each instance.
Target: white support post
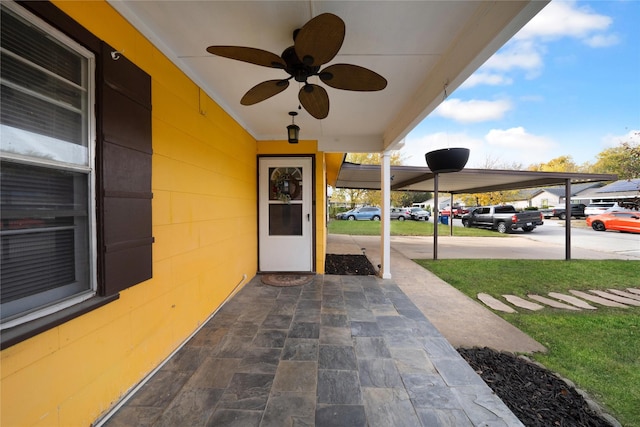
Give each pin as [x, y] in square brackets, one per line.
[567, 220]
[385, 244]
[436, 215]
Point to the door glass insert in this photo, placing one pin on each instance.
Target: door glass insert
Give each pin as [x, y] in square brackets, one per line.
[285, 184]
[285, 220]
[285, 201]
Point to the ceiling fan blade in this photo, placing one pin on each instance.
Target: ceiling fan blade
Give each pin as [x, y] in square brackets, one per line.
[352, 77]
[263, 91]
[248, 54]
[320, 39]
[315, 100]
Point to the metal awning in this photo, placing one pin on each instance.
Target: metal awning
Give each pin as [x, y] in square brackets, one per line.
[467, 181]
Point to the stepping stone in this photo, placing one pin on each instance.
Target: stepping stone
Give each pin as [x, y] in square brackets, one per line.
[552, 303]
[635, 291]
[495, 304]
[624, 294]
[523, 303]
[572, 300]
[597, 299]
[617, 298]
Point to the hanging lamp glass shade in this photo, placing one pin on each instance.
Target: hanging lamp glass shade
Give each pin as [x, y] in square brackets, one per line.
[293, 132]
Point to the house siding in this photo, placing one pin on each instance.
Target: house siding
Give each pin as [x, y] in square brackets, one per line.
[205, 229]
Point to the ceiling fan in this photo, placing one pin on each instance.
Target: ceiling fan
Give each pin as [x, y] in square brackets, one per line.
[315, 44]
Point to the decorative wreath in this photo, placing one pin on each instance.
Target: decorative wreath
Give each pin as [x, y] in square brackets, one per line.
[286, 187]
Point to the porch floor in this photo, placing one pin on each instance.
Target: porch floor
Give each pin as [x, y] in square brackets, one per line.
[340, 351]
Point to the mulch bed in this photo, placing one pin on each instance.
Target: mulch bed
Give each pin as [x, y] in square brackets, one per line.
[535, 395]
[345, 265]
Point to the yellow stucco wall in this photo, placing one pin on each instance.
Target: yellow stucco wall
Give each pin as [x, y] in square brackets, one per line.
[205, 229]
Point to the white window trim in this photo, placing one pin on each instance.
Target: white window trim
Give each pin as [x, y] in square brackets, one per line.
[88, 169]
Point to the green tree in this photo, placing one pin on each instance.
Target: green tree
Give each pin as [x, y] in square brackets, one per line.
[367, 197]
[559, 164]
[623, 160]
[410, 197]
[496, 197]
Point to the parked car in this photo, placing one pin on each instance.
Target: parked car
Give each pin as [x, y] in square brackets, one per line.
[365, 213]
[598, 208]
[400, 213]
[621, 221]
[503, 218]
[446, 211]
[460, 211]
[420, 214]
[343, 215]
[560, 212]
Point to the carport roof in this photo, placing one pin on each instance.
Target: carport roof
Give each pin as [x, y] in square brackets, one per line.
[417, 178]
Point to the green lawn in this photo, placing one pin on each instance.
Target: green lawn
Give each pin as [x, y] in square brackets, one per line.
[599, 349]
[404, 228]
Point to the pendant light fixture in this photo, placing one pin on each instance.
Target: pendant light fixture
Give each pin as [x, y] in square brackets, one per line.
[293, 130]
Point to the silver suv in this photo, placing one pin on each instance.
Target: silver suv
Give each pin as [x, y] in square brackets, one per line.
[400, 213]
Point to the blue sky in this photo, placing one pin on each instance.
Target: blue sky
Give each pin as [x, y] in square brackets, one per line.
[567, 84]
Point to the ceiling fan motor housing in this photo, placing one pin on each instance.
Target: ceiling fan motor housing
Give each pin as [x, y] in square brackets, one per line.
[296, 68]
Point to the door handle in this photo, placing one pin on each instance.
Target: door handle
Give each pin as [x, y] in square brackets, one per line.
[308, 217]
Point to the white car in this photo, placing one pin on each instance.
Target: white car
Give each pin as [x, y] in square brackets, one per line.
[420, 214]
[600, 207]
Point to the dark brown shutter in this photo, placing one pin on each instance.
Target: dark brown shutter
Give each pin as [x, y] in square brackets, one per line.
[124, 169]
[123, 158]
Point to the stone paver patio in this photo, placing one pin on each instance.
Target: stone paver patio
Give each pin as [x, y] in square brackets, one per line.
[340, 351]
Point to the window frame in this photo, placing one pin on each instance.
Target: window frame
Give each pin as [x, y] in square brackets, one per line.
[54, 303]
[123, 130]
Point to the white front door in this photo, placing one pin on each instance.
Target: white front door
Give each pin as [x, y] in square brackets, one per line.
[285, 214]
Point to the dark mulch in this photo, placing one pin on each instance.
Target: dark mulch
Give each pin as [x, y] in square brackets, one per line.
[356, 265]
[535, 395]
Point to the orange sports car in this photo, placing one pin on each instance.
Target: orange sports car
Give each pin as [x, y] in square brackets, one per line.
[621, 221]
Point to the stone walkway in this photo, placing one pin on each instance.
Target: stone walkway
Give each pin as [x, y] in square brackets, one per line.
[341, 351]
[577, 301]
[462, 320]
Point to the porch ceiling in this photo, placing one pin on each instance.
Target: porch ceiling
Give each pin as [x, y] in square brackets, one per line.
[467, 181]
[418, 46]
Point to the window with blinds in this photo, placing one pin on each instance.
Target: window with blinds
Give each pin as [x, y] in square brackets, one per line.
[46, 181]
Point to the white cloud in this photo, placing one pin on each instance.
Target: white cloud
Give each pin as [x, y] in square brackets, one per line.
[486, 78]
[518, 138]
[564, 19]
[602, 40]
[632, 136]
[472, 111]
[526, 51]
[524, 54]
[497, 149]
